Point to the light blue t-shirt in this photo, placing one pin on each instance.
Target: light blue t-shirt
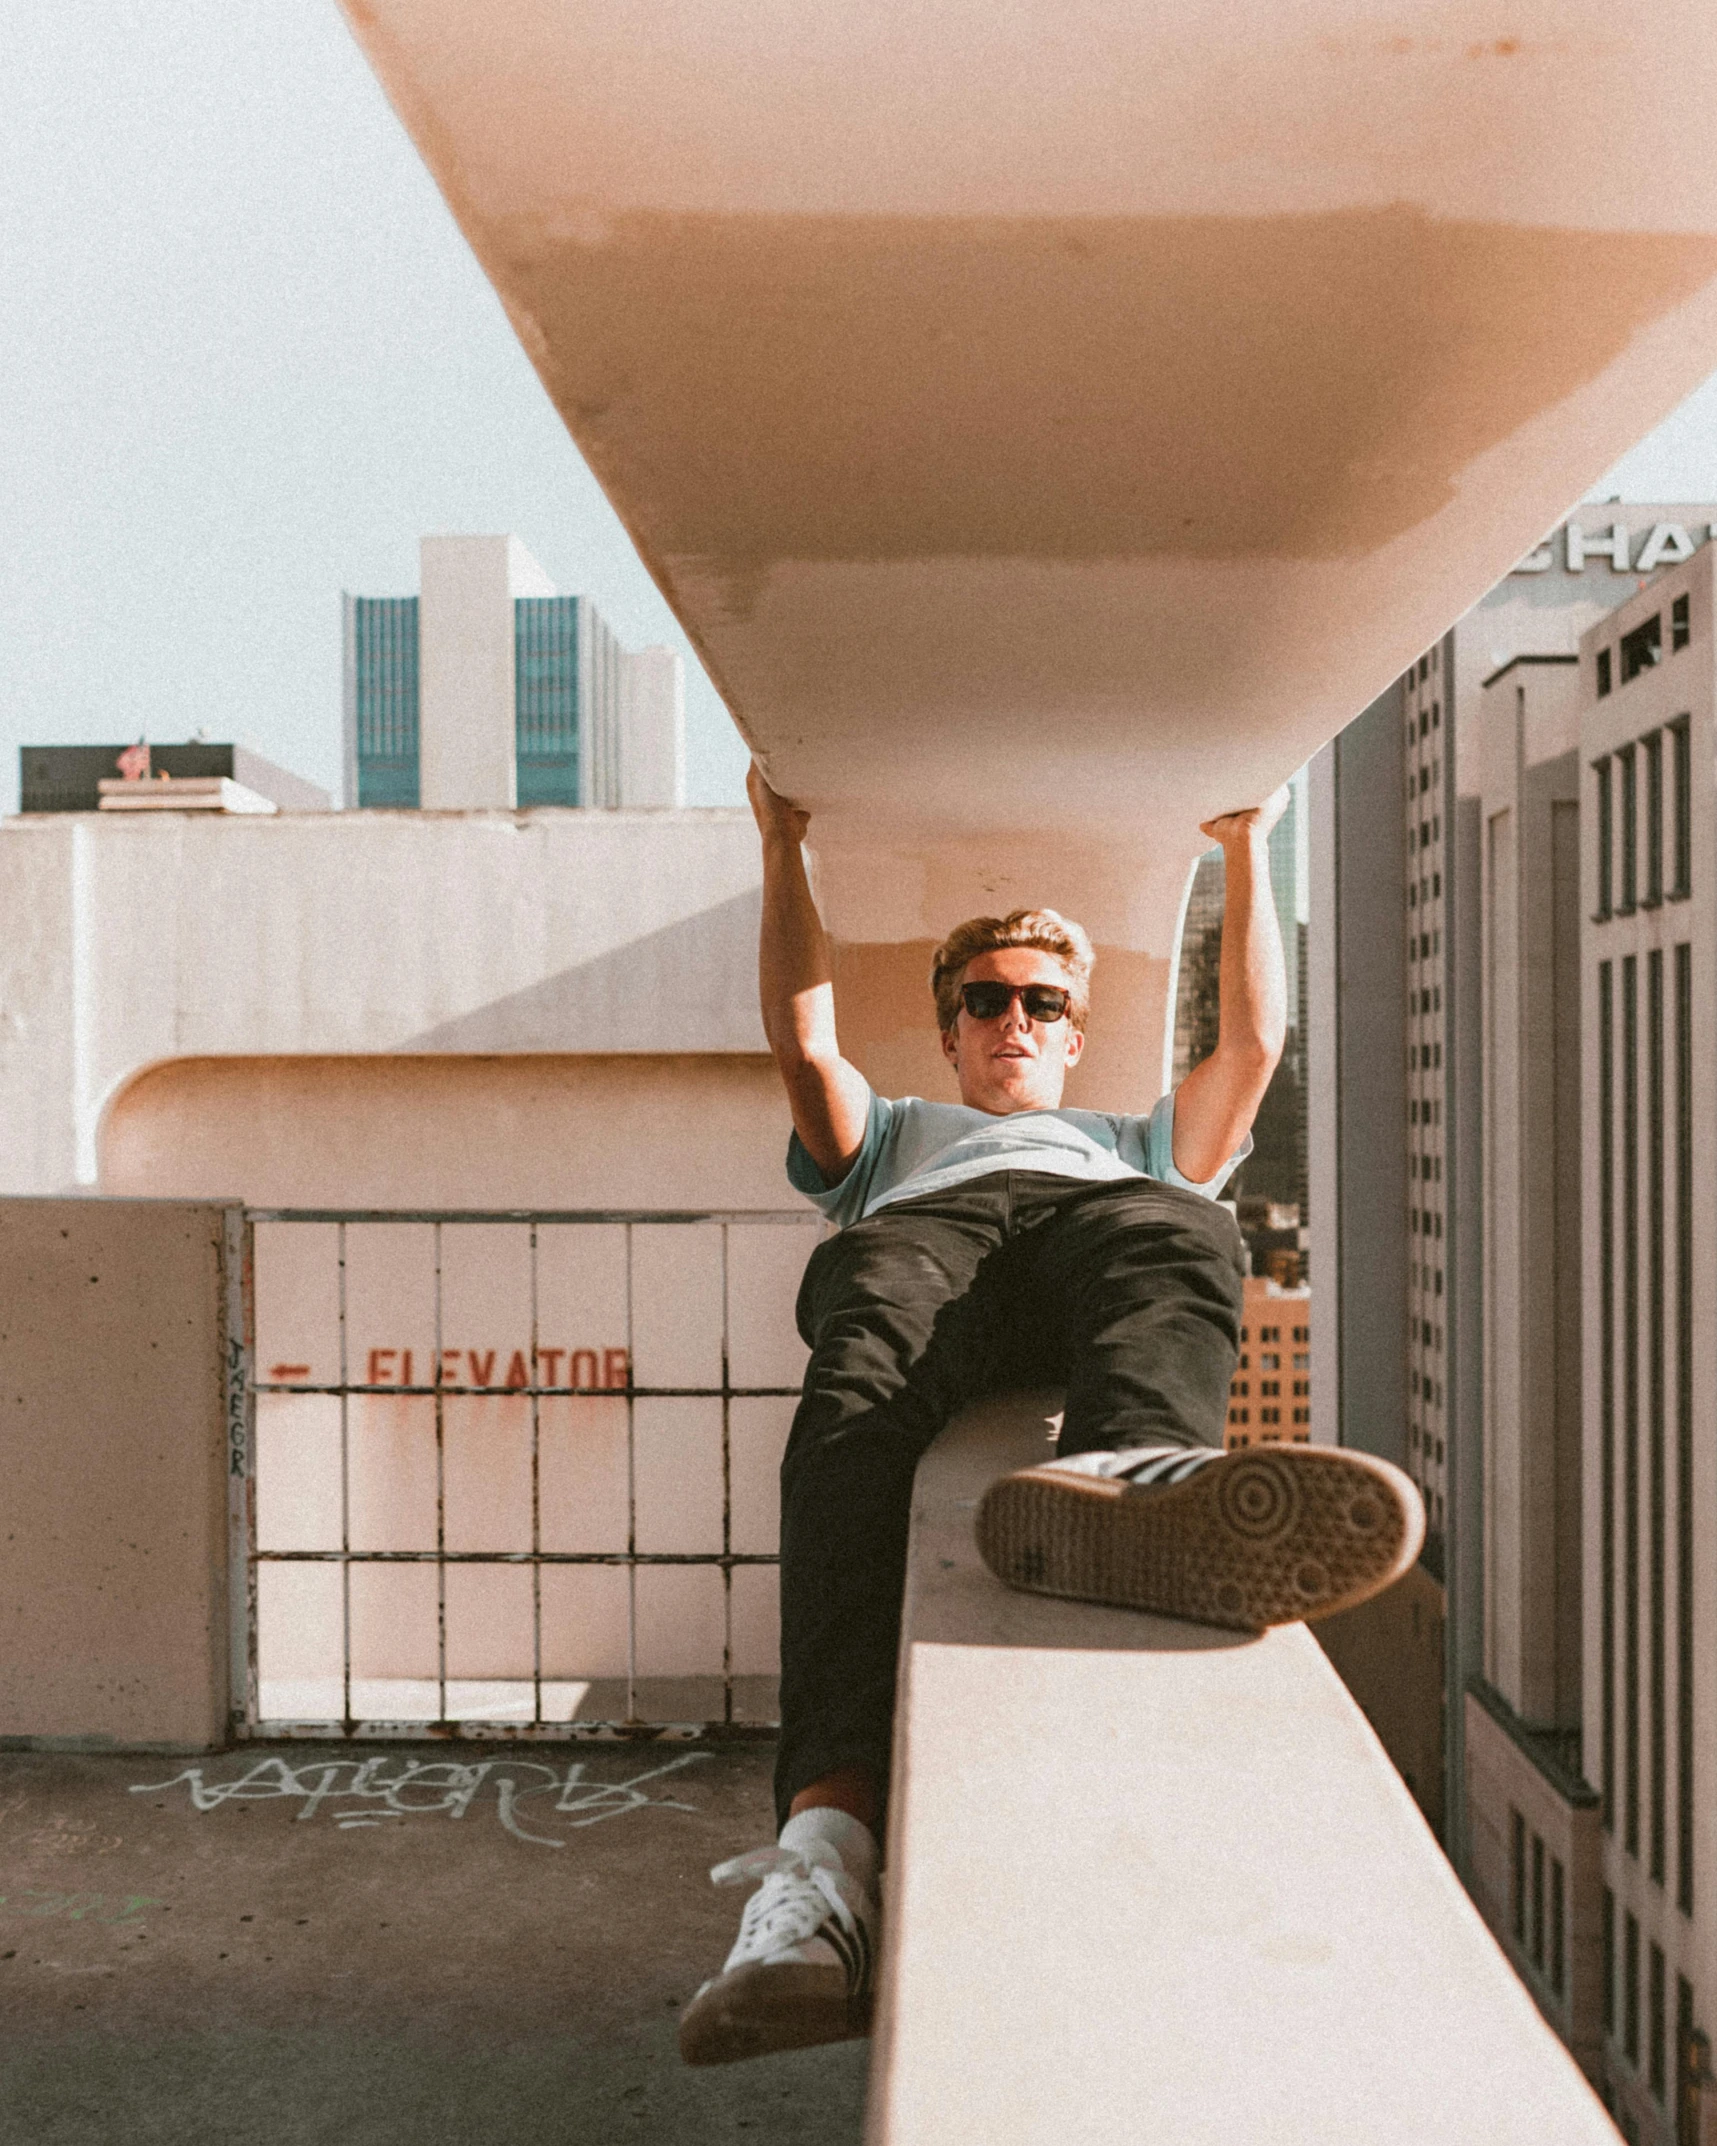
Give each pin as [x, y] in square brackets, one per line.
[912, 1147]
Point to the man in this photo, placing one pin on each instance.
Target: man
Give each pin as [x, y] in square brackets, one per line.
[1005, 1240]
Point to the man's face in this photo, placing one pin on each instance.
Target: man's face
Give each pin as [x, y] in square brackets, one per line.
[1012, 1063]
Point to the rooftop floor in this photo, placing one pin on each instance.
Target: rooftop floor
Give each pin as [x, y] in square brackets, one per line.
[460, 1943]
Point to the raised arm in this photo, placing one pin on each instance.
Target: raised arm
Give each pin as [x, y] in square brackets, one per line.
[1216, 1103]
[829, 1098]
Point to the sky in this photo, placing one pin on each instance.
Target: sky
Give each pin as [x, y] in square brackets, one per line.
[248, 361]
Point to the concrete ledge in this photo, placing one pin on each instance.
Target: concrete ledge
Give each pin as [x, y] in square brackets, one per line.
[1151, 1882]
[114, 1332]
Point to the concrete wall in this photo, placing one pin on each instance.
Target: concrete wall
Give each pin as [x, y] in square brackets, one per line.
[653, 729]
[1357, 1002]
[1505, 1775]
[136, 939]
[470, 1131]
[1389, 1654]
[466, 668]
[113, 1450]
[1529, 800]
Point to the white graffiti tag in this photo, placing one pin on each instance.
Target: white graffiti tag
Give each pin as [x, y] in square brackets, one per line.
[364, 1792]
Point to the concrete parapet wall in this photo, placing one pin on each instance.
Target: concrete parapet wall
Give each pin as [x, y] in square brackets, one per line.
[1153, 1881]
[150, 937]
[113, 1596]
[1503, 1778]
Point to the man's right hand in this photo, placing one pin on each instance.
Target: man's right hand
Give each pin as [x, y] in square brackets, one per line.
[778, 819]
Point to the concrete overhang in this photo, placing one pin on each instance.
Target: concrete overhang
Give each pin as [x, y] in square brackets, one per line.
[1053, 424]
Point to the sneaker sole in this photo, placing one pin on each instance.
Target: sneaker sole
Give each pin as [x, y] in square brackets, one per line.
[755, 2010]
[1252, 1540]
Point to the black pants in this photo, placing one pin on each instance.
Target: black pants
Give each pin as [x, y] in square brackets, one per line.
[1128, 1293]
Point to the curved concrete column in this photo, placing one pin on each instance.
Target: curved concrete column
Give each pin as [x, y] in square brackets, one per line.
[1053, 423]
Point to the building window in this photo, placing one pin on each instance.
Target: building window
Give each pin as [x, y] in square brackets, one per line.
[1607, 1387]
[1680, 625]
[1681, 755]
[1609, 1970]
[1657, 2052]
[1537, 1901]
[1517, 1875]
[1629, 1145]
[1629, 815]
[1653, 896]
[1692, 2060]
[1630, 1990]
[1643, 647]
[1558, 1927]
[1683, 1226]
[1603, 818]
[1657, 1367]
[1603, 672]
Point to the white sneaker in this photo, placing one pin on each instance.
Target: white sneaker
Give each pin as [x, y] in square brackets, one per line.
[1263, 1536]
[802, 1969]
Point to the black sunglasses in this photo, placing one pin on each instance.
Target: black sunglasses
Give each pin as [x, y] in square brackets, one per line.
[1040, 1002]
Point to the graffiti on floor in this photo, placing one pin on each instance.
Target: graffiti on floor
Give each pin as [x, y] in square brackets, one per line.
[78, 1907]
[356, 1793]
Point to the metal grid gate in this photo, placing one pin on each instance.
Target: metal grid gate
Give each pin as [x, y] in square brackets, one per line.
[418, 1434]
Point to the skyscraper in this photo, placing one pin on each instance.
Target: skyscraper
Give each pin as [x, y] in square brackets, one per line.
[491, 690]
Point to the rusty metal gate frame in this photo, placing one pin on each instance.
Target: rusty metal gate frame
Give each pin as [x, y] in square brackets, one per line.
[243, 1386]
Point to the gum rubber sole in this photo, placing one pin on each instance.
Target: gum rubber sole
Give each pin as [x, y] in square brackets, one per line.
[754, 2010]
[1255, 1539]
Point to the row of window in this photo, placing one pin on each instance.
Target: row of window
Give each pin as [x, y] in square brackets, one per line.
[1430, 1112]
[1274, 1333]
[1617, 809]
[1645, 1354]
[1423, 945]
[1424, 1222]
[1428, 1389]
[1430, 831]
[1643, 647]
[1539, 1912]
[1423, 1057]
[1429, 1167]
[1648, 2052]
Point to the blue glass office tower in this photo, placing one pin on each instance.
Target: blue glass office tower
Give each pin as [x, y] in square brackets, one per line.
[381, 700]
[545, 696]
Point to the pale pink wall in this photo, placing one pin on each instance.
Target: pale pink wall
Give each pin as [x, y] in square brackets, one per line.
[113, 1595]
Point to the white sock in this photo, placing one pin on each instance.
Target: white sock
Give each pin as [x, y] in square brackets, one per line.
[853, 1842]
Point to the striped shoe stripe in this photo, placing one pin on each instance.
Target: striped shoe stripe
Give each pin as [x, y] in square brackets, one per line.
[1171, 1466]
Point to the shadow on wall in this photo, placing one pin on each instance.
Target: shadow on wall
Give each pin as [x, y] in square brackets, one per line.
[1389, 1654]
[675, 989]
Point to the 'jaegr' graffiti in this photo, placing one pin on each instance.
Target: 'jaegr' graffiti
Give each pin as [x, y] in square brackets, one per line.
[364, 1792]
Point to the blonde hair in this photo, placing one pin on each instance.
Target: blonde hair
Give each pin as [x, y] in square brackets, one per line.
[1044, 929]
